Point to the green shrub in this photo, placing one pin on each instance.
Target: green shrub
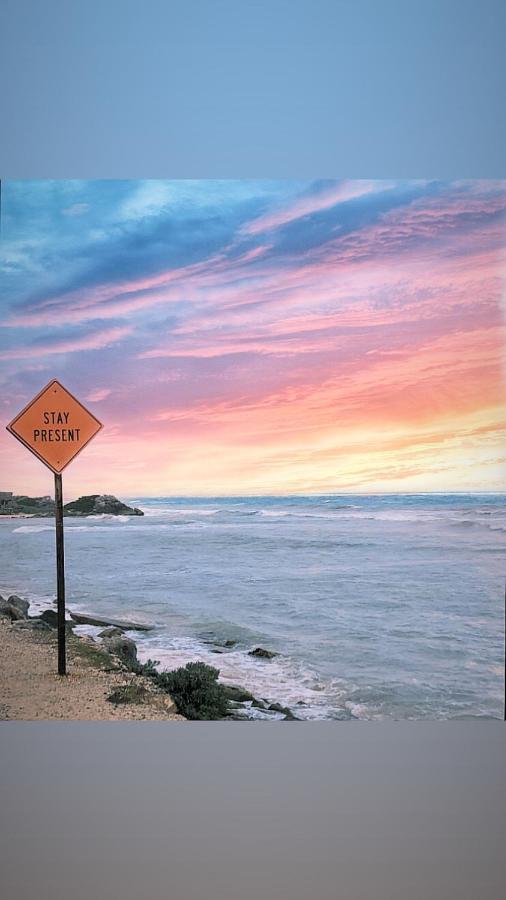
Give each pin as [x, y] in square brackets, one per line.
[128, 693]
[149, 669]
[195, 690]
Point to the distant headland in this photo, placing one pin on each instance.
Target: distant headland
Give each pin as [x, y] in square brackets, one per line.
[89, 505]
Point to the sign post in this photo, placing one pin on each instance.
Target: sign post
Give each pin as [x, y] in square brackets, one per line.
[56, 427]
[60, 574]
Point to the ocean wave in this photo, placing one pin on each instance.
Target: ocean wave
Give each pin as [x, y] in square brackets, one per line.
[108, 517]
[32, 529]
[176, 512]
[283, 679]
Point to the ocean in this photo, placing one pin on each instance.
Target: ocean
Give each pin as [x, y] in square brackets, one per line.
[378, 606]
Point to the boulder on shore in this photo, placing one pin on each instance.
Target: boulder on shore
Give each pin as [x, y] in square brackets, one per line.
[124, 648]
[260, 653]
[288, 714]
[260, 704]
[237, 694]
[50, 617]
[111, 632]
[19, 603]
[11, 611]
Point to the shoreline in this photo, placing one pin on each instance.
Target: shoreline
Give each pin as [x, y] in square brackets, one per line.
[104, 681]
[99, 686]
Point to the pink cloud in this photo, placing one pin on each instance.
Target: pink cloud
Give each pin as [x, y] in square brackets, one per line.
[98, 395]
[426, 233]
[304, 206]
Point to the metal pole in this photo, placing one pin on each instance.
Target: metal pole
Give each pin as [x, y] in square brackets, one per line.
[60, 574]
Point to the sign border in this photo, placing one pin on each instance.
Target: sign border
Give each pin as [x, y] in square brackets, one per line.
[10, 426]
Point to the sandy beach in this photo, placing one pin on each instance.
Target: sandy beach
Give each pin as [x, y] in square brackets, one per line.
[31, 689]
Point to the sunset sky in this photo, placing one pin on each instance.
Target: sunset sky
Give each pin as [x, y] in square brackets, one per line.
[259, 337]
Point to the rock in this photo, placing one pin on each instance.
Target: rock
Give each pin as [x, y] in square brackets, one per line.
[111, 632]
[168, 703]
[50, 617]
[11, 612]
[236, 693]
[288, 714]
[260, 704]
[31, 625]
[83, 619]
[209, 637]
[88, 640]
[19, 603]
[124, 648]
[260, 653]
[99, 505]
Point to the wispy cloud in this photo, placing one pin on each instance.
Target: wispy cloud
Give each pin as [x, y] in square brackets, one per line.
[95, 341]
[265, 335]
[77, 209]
[98, 395]
[312, 203]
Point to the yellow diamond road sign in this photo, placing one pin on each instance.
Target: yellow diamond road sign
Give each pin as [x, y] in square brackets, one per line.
[55, 426]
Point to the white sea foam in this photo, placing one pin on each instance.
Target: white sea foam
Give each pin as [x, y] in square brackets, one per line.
[281, 679]
[32, 529]
[109, 517]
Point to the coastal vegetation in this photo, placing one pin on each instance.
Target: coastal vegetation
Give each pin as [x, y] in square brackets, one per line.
[196, 691]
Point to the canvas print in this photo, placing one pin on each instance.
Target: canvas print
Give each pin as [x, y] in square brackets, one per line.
[252, 450]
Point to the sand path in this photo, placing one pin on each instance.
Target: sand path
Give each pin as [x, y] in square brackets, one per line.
[31, 689]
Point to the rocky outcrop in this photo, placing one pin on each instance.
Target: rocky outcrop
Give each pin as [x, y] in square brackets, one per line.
[237, 694]
[89, 505]
[124, 649]
[288, 714]
[14, 608]
[111, 632]
[19, 603]
[260, 653]
[21, 505]
[50, 617]
[10, 612]
[99, 505]
[239, 699]
[124, 624]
